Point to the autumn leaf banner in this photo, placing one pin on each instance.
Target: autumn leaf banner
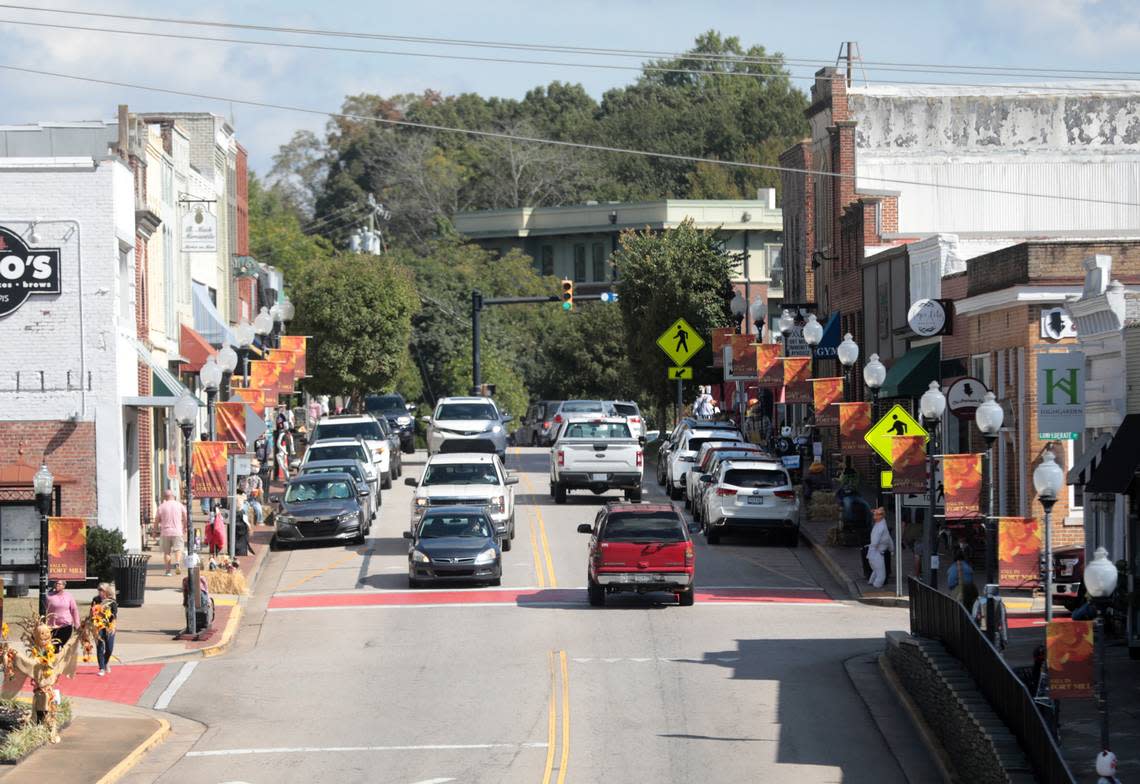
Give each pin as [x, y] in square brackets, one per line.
[797, 379]
[962, 481]
[854, 422]
[1069, 655]
[908, 464]
[720, 338]
[264, 374]
[67, 548]
[286, 363]
[827, 392]
[1021, 540]
[208, 470]
[743, 354]
[768, 368]
[299, 345]
[229, 421]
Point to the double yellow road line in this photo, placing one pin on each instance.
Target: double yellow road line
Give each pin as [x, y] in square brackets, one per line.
[559, 684]
[539, 545]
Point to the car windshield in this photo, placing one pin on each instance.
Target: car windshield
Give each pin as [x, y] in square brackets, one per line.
[627, 409]
[466, 411]
[369, 429]
[337, 452]
[385, 404]
[337, 469]
[573, 406]
[755, 477]
[597, 430]
[643, 527]
[460, 474]
[318, 490]
[470, 526]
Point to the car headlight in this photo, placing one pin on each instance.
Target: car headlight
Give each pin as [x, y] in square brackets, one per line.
[420, 557]
[498, 503]
[348, 517]
[285, 520]
[404, 420]
[495, 429]
[488, 556]
[421, 504]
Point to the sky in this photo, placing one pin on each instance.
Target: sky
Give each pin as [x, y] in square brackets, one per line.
[1079, 34]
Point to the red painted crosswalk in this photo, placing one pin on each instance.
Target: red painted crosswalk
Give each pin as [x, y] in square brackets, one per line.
[124, 684]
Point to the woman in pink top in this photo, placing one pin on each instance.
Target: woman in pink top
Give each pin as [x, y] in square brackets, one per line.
[62, 614]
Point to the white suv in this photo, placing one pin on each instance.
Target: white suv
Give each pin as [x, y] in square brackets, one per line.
[366, 428]
[751, 495]
[467, 479]
[685, 456]
[471, 418]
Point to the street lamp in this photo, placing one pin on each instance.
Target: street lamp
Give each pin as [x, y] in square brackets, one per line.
[848, 353]
[758, 310]
[988, 417]
[227, 361]
[785, 324]
[739, 307]
[244, 334]
[1048, 479]
[211, 377]
[43, 483]
[186, 414]
[1100, 582]
[932, 404]
[874, 374]
[263, 322]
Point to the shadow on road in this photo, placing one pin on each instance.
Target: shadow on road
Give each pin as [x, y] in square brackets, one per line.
[384, 581]
[388, 545]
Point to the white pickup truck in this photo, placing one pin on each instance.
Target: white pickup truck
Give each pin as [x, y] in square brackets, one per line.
[596, 453]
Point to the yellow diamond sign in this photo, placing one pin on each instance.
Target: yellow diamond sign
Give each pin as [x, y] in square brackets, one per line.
[680, 342]
[896, 422]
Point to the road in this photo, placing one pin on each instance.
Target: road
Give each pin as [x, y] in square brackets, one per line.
[343, 674]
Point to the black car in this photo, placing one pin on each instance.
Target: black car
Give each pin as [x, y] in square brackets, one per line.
[454, 544]
[398, 414]
[323, 507]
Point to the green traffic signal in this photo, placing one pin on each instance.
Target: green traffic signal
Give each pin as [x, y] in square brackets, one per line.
[567, 305]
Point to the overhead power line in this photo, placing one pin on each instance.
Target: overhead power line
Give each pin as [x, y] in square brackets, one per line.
[560, 142]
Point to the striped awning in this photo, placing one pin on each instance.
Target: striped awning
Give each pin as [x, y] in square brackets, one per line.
[1086, 463]
[167, 388]
[208, 321]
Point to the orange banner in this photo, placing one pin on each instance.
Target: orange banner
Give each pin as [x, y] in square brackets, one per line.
[908, 464]
[67, 548]
[768, 367]
[797, 379]
[208, 476]
[1021, 540]
[854, 422]
[1069, 654]
[743, 354]
[229, 421]
[286, 364]
[720, 338]
[962, 481]
[826, 392]
[300, 345]
[264, 375]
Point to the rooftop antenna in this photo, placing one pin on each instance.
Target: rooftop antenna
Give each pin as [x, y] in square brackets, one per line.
[850, 52]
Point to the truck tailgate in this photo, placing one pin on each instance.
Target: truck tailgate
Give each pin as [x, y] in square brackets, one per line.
[599, 456]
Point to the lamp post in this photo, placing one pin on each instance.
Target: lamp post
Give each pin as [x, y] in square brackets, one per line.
[1100, 582]
[988, 417]
[785, 323]
[813, 334]
[1048, 479]
[739, 307]
[758, 310]
[263, 323]
[185, 414]
[848, 353]
[227, 360]
[211, 377]
[932, 404]
[43, 483]
[244, 333]
[874, 374]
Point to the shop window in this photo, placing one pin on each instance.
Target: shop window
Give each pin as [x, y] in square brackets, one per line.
[599, 251]
[980, 369]
[579, 263]
[547, 259]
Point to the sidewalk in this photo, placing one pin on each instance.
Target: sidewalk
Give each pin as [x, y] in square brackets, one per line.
[846, 566]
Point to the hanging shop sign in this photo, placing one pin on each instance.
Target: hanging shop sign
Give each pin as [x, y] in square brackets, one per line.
[964, 396]
[25, 271]
[1060, 396]
[929, 317]
[199, 232]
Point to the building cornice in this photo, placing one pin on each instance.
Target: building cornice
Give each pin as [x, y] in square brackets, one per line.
[1015, 295]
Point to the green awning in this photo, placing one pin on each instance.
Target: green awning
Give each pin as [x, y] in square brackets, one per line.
[912, 373]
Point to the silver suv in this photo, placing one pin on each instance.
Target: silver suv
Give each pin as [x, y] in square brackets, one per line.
[470, 418]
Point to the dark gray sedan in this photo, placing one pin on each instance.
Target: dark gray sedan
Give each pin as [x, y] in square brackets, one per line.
[323, 507]
[454, 544]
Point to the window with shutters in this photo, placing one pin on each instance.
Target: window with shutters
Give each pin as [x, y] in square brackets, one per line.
[547, 260]
[579, 263]
[599, 251]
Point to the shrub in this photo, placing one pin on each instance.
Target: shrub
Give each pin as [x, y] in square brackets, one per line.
[102, 543]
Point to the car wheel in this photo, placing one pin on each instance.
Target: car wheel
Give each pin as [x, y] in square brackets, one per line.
[595, 593]
[792, 538]
[634, 495]
[496, 582]
[711, 536]
[674, 493]
[506, 543]
[512, 526]
[386, 482]
[559, 494]
[660, 474]
[686, 597]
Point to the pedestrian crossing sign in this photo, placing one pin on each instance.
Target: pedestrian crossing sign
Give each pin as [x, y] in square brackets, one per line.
[896, 422]
[680, 342]
[685, 373]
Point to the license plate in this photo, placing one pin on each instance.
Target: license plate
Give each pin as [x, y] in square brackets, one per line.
[756, 500]
[599, 477]
[644, 578]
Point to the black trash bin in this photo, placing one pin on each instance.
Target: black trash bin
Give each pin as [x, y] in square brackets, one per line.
[130, 578]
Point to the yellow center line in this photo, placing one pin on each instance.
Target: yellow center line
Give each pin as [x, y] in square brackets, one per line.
[546, 549]
[347, 557]
[541, 538]
[537, 559]
[562, 763]
[551, 723]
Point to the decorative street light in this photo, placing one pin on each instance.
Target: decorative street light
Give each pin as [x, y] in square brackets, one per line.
[813, 331]
[874, 374]
[227, 361]
[263, 322]
[1100, 582]
[739, 307]
[1048, 479]
[785, 323]
[287, 311]
[988, 417]
[758, 310]
[211, 377]
[186, 414]
[43, 483]
[244, 334]
[848, 353]
[932, 404]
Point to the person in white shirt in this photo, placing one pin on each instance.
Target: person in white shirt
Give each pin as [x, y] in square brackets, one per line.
[703, 405]
[881, 542]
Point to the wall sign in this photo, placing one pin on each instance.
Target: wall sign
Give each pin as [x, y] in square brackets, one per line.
[1060, 396]
[200, 232]
[964, 397]
[25, 271]
[929, 317]
[1056, 324]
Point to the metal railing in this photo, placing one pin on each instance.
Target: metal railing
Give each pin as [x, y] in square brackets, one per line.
[937, 615]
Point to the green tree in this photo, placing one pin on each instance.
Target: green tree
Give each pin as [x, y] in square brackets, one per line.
[585, 356]
[276, 236]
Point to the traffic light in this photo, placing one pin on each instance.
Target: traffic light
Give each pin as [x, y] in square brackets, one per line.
[567, 294]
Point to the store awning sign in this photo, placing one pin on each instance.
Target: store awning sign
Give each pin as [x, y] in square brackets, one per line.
[25, 271]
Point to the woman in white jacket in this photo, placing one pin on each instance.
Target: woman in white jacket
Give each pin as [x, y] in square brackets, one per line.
[881, 542]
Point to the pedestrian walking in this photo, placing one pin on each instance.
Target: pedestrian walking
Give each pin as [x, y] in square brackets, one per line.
[216, 534]
[960, 580]
[104, 613]
[253, 492]
[170, 520]
[241, 526]
[62, 614]
[881, 543]
[284, 441]
[703, 405]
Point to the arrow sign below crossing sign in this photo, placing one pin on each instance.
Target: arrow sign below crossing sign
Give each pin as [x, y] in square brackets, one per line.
[685, 373]
[896, 422]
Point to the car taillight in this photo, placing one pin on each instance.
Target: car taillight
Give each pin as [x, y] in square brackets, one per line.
[598, 560]
[785, 494]
[725, 491]
[557, 419]
[545, 425]
[688, 556]
[635, 420]
[561, 458]
[640, 458]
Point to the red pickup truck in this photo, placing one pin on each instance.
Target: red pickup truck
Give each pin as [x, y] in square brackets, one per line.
[641, 548]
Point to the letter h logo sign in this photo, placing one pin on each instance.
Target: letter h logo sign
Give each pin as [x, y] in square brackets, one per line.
[1066, 384]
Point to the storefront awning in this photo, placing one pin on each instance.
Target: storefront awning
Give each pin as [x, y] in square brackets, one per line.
[165, 386]
[1086, 464]
[912, 373]
[1118, 467]
[208, 321]
[195, 348]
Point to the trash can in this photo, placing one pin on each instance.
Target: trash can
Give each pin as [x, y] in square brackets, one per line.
[130, 578]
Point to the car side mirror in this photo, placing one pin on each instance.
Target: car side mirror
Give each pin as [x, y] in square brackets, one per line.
[508, 418]
[426, 418]
[410, 406]
[585, 528]
[641, 441]
[707, 478]
[411, 481]
[408, 534]
[512, 480]
[652, 435]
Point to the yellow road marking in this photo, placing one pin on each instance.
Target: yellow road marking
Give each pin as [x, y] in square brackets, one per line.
[546, 549]
[551, 723]
[541, 528]
[347, 557]
[562, 763]
[537, 559]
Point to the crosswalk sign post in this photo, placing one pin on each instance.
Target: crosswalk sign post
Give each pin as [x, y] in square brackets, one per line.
[681, 373]
[680, 342]
[896, 422]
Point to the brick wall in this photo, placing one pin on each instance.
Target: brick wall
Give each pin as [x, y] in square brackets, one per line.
[1057, 262]
[68, 448]
[798, 193]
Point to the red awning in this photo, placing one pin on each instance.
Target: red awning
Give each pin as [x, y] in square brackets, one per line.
[21, 475]
[195, 348]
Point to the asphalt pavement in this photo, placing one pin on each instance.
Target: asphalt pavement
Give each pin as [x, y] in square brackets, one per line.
[342, 673]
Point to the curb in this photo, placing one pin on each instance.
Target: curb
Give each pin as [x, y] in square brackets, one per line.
[918, 721]
[845, 580]
[136, 754]
[228, 634]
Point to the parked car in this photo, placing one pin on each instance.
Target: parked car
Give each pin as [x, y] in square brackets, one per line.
[346, 449]
[751, 495]
[698, 503]
[632, 414]
[368, 430]
[395, 453]
[454, 543]
[358, 472]
[705, 455]
[322, 507]
[685, 454]
[568, 407]
[1068, 571]
[467, 479]
[685, 425]
[398, 413]
[474, 418]
[596, 453]
[536, 425]
[639, 548]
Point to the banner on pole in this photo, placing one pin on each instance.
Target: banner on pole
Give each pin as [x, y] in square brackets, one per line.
[797, 379]
[67, 548]
[1021, 540]
[229, 421]
[827, 392]
[962, 483]
[743, 354]
[264, 375]
[768, 368]
[908, 464]
[854, 422]
[286, 364]
[300, 345]
[1069, 654]
[208, 469]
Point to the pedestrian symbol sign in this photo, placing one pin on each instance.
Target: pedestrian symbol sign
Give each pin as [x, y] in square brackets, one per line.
[680, 342]
[896, 422]
[680, 372]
